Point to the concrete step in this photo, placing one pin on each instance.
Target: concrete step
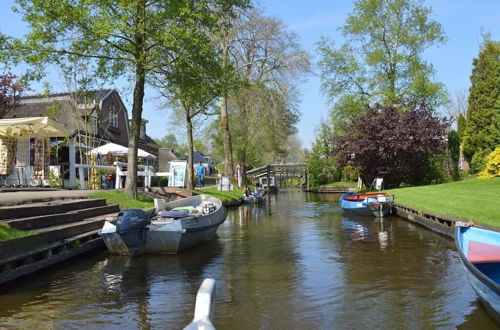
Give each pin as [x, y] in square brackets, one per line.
[50, 235]
[45, 208]
[51, 220]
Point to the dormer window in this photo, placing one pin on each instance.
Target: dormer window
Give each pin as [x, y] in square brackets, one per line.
[113, 116]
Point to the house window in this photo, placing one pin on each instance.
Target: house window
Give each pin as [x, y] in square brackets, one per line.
[142, 134]
[94, 124]
[113, 116]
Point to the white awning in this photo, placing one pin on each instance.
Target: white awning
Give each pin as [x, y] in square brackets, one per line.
[32, 127]
[118, 150]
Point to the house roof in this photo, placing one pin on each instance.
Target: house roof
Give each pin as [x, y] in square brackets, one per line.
[95, 95]
[199, 157]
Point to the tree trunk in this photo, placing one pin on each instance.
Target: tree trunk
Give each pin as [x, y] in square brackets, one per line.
[140, 80]
[224, 122]
[226, 138]
[135, 128]
[189, 128]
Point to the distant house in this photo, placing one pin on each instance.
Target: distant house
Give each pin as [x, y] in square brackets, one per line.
[98, 116]
[206, 161]
[165, 155]
[146, 143]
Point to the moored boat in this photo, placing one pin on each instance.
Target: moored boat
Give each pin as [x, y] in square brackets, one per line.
[173, 227]
[377, 204]
[254, 199]
[479, 251]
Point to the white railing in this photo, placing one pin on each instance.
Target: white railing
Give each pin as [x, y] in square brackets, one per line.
[204, 308]
[120, 171]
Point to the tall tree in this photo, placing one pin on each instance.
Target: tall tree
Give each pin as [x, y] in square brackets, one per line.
[320, 162]
[482, 133]
[195, 80]
[382, 59]
[262, 111]
[124, 37]
[461, 126]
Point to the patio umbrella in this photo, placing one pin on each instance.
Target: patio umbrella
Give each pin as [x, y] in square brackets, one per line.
[118, 150]
[32, 127]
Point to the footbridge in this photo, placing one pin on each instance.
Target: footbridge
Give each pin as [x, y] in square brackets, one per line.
[281, 172]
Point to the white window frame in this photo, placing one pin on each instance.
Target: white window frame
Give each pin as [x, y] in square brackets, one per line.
[113, 117]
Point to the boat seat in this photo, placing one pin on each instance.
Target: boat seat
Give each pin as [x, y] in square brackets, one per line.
[481, 252]
[360, 197]
[174, 214]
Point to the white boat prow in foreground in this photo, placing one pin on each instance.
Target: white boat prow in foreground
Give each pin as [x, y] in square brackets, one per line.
[174, 226]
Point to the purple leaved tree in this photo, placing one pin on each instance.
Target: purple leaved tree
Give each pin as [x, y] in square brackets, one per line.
[10, 93]
[392, 142]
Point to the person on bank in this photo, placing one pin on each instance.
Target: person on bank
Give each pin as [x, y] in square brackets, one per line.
[200, 171]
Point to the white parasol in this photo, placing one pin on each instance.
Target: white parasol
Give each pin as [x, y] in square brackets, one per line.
[32, 127]
[118, 150]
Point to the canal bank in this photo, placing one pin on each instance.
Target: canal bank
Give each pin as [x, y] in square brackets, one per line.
[296, 261]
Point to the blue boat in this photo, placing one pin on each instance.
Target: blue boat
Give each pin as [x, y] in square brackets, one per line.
[377, 204]
[480, 254]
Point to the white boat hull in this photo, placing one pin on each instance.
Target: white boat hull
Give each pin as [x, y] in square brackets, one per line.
[174, 236]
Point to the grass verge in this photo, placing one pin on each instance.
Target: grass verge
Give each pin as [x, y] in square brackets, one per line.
[472, 199]
[122, 199]
[7, 233]
[225, 196]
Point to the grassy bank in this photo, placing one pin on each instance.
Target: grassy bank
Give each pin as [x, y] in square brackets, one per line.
[225, 196]
[7, 233]
[122, 199]
[473, 199]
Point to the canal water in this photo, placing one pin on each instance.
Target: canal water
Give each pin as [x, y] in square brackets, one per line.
[297, 262]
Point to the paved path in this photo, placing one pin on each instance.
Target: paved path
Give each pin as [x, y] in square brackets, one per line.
[10, 197]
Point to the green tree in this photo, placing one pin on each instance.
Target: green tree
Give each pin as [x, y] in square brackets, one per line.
[320, 162]
[261, 111]
[461, 126]
[168, 141]
[269, 62]
[454, 152]
[482, 133]
[124, 37]
[382, 59]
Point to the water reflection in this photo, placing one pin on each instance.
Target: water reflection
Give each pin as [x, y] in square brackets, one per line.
[296, 261]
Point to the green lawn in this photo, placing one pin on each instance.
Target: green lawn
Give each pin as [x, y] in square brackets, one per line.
[117, 197]
[225, 196]
[7, 233]
[474, 199]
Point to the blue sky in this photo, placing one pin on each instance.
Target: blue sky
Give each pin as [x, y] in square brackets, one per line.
[463, 21]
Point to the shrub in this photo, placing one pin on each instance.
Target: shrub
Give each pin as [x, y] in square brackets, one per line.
[492, 168]
[478, 161]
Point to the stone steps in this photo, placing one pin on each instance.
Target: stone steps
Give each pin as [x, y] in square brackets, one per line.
[63, 229]
[45, 208]
[52, 220]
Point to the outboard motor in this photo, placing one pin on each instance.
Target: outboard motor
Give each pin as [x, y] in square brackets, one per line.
[131, 226]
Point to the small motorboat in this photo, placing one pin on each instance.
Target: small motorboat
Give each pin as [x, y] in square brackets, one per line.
[377, 204]
[252, 199]
[479, 251]
[169, 228]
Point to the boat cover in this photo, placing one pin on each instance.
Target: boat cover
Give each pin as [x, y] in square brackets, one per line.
[482, 252]
[173, 214]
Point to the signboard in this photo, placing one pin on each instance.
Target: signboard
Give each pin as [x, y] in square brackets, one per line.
[177, 174]
[225, 184]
